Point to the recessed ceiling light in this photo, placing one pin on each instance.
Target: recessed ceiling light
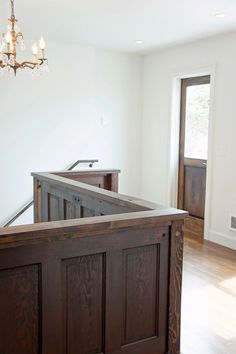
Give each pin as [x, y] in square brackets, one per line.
[220, 15]
[139, 41]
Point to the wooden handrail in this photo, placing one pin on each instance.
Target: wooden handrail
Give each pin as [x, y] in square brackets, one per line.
[38, 233]
[28, 205]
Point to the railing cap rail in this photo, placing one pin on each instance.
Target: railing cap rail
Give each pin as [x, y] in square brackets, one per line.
[89, 171]
[132, 203]
[86, 227]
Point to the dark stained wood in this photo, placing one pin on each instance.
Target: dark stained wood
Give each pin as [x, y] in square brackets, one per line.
[140, 297]
[50, 297]
[182, 144]
[194, 190]
[44, 212]
[115, 182]
[175, 285]
[194, 162]
[83, 200]
[113, 313]
[194, 227]
[69, 210]
[37, 200]
[53, 208]
[106, 179]
[83, 304]
[44, 233]
[104, 284]
[20, 321]
[82, 286]
[86, 212]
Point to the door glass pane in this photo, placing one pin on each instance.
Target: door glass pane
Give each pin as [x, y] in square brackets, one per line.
[197, 120]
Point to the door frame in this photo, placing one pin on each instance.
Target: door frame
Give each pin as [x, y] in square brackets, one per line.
[174, 131]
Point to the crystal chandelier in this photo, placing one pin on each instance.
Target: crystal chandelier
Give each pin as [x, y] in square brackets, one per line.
[8, 50]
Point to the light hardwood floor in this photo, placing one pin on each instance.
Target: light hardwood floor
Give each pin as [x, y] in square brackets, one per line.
[209, 299]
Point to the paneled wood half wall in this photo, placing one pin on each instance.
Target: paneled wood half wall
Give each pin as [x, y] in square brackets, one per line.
[107, 283]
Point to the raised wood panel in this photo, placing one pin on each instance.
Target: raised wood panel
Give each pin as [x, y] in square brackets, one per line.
[83, 304]
[72, 210]
[54, 207]
[20, 318]
[102, 179]
[69, 210]
[97, 181]
[194, 191]
[140, 297]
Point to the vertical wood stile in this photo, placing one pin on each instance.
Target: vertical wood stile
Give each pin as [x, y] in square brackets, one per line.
[37, 201]
[113, 315]
[176, 264]
[51, 308]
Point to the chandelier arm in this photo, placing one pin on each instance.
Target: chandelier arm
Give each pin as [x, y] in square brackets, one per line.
[30, 64]
[24, 64]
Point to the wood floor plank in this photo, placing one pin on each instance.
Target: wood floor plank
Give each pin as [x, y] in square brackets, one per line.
[209, 299]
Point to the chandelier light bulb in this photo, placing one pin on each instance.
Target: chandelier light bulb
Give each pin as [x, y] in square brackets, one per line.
[42, 43]
[8, 37]
[35, 49]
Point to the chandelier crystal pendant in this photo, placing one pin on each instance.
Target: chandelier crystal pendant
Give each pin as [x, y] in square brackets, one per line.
[11, 40]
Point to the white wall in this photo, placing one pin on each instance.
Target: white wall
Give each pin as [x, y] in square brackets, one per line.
[159, 70]
[49, 122]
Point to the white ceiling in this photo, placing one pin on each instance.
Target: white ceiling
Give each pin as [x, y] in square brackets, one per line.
[116, 24]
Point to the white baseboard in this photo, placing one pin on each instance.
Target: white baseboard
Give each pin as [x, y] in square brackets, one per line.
[223, 239]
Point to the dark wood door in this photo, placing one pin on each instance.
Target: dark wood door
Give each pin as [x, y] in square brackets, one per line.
[195, 99]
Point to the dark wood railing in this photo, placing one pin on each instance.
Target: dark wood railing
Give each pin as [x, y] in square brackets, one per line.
[29, 204]
[110, 283]
[68, 209]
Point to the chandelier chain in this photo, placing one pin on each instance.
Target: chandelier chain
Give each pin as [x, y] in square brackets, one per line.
[12, 9]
